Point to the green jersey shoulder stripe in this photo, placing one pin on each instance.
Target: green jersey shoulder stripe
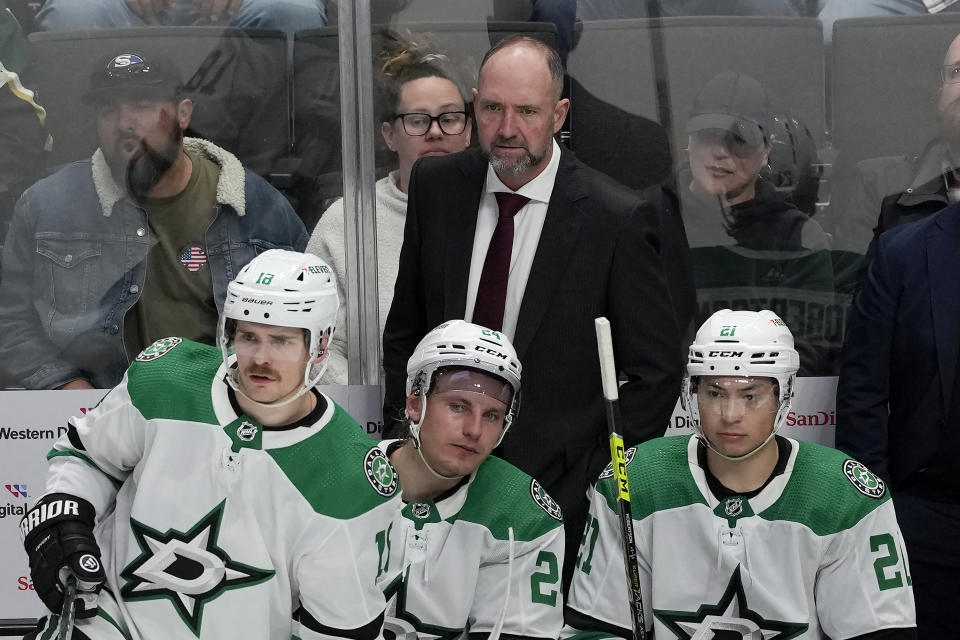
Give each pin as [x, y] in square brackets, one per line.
[337, 483]
[834, 503]
[176, 384]
[502, 497]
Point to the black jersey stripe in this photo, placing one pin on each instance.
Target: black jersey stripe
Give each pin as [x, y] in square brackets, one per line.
[369, 631]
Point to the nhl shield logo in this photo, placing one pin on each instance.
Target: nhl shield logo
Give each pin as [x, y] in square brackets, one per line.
[420, 510]
[159, 348]
[734, 507]
[380, 472]
[543, 499]
[863, 479]
[247, 431]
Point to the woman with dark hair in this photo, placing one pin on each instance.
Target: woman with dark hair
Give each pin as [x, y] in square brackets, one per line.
[423, 112]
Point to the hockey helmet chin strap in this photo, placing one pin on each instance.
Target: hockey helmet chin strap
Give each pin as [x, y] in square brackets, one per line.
[460, 380]
[705, 440]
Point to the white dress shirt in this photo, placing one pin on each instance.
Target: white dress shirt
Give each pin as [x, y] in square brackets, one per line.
[527, 224]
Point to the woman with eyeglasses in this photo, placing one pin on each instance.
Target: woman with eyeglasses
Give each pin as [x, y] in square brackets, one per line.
[750, 247]
[423, 112]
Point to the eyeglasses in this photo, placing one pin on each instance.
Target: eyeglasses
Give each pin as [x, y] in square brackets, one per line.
[417, 124]
[950, 73]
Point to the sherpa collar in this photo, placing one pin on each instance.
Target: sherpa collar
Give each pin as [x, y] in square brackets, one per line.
[230, 185]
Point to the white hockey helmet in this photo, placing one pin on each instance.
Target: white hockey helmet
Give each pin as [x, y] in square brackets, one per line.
[460, 344]
[285, 289]
[743, 344]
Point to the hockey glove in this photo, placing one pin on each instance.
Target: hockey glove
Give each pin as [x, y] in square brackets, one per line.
[58, 536]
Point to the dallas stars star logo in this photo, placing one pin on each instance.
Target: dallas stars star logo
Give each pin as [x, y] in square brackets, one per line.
[188, 568]
[730, 619]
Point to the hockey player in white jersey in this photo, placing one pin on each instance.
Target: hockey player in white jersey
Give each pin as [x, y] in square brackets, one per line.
[215, 492]
[742, 533]
[478, 545]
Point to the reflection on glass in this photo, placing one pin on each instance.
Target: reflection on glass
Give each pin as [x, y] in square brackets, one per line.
[751, 247]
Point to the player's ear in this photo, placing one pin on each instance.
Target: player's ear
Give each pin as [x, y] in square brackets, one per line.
[414, 407]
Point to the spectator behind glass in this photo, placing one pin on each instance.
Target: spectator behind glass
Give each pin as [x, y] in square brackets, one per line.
[885, 192]
[423, 113]
[137, 243]
[288, 15]
[750, 246]
[24, 142]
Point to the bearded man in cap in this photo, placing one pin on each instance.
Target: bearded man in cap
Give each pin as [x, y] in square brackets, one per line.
[135, 244]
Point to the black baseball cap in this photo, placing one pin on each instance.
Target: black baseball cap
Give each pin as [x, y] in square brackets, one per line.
[733, 102]
[133, 72]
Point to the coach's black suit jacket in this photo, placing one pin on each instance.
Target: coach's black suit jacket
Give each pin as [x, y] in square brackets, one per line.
[597, 256]
[898, 377]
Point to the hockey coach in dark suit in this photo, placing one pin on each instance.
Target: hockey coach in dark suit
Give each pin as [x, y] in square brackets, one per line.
[521, 237]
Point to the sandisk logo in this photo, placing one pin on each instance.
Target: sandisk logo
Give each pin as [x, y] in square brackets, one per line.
[818, 419]
[726, 354]
[17, 490]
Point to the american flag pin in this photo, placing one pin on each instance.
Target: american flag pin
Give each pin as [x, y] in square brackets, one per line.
[193, 257]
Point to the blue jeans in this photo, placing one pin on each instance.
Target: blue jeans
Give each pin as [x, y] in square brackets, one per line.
[287, 15]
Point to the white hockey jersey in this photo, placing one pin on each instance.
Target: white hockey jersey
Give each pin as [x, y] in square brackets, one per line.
[817, 553]
[212, 526]
[486, 558]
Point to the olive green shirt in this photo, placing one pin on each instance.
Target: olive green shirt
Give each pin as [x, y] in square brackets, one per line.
[177, 297]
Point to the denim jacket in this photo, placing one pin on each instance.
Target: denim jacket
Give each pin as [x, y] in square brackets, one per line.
[74, 265]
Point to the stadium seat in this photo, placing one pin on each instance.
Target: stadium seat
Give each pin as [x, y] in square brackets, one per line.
[884, 83]
[650, 69]
[416, 11]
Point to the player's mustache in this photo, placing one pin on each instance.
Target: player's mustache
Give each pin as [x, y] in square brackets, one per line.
[262, 371]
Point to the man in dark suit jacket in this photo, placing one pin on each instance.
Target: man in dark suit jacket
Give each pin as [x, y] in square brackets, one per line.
[596, 255]
[898, 401]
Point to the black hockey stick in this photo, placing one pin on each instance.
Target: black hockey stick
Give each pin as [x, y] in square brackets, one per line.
[608, 373]
[65, 627]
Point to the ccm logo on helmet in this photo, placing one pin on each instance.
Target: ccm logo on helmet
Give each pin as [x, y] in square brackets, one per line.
[502, 356]
[726, 354]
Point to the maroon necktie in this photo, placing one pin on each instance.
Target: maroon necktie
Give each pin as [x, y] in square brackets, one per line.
[492, 290]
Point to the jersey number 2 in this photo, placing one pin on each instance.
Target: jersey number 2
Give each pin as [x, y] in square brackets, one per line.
[890, 558]
[549, 576]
